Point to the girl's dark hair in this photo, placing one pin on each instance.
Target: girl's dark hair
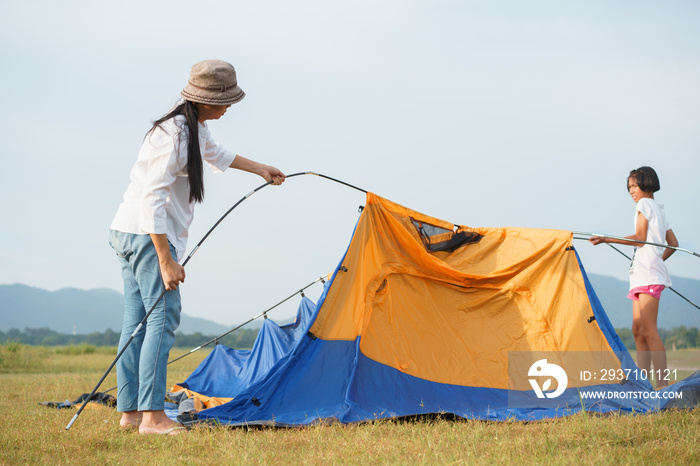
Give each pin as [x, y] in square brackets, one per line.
[195, 171]
[647, 179]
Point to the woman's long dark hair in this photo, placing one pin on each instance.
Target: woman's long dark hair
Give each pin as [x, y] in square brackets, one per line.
[195, 171]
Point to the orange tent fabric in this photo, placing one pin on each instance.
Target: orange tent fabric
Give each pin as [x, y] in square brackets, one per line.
[524, 282]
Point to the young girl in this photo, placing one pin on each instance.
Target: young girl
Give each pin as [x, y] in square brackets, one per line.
[149, 234]
[648, 273]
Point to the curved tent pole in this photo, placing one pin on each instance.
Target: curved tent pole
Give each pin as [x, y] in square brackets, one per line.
[187, 259]
[250, 194]
[628, 257]
[635, 241]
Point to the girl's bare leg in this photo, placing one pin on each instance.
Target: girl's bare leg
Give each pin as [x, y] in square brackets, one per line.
[649, 311]
[643, 356]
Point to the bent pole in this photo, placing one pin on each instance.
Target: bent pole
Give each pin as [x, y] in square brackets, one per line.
[187, 259]
[634, 241]
[670, 288]
[262, 314]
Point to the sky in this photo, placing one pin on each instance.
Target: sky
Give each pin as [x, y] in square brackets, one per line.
[481, 113]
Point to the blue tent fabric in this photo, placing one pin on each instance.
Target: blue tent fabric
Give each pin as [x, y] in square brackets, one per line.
[290, 378]
[226, 372]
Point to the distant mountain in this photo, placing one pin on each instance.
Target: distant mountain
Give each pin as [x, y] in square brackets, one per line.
[72, 310]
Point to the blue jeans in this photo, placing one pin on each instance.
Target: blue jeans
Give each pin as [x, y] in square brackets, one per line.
[142, 368]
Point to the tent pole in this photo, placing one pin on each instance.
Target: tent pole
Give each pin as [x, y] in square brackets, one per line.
[94, 390]
[262, 314]
[629, 258]
[634, 241]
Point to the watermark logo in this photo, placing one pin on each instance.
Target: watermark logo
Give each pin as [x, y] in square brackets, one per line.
[541, 369]
[595, 380]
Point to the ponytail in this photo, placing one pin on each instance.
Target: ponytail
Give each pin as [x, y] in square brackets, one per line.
[195, 171]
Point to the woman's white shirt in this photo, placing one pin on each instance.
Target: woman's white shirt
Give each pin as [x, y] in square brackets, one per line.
[158, 197]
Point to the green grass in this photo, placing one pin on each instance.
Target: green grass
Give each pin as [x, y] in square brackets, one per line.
[33, 434]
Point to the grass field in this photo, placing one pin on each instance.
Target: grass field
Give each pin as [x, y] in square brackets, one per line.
[33, 434]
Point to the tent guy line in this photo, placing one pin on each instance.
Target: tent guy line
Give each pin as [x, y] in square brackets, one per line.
[184, 263]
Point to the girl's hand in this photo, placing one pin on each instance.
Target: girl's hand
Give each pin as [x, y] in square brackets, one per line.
[596, 240]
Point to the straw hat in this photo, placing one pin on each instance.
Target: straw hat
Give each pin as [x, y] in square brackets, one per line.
[213, 82]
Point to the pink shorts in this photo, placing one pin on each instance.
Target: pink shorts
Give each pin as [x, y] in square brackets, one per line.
[653, 290]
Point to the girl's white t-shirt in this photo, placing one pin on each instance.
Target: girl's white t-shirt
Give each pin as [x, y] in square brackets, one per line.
[647, 266]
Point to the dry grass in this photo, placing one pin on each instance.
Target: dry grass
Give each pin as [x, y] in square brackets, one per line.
[34, 434]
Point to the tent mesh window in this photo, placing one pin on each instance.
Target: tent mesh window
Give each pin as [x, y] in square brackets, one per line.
[437, 239]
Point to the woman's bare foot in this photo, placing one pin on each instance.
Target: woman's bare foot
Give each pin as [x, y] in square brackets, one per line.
[130, 420]
[156, 422]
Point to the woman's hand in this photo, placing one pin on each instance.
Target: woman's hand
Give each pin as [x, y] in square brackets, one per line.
[172, 273]
[272, 174]
[269, 173]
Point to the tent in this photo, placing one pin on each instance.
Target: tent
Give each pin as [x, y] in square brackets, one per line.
[423, 316]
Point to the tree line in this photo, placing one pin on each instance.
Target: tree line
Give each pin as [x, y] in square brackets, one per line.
[240, 339]
[677, 338]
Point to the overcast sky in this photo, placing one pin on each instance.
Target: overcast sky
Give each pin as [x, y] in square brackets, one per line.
[482, 113]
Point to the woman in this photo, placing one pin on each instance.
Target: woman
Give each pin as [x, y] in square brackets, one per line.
[149, 234]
